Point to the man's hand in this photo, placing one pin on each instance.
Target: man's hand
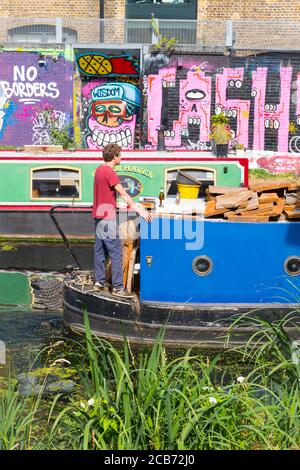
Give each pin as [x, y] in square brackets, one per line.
[130, 202]
[146, 215]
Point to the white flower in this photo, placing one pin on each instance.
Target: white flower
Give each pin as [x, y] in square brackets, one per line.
[240, 379]
[213, 400]
[91, 402]
[82, 405]
[207, 388]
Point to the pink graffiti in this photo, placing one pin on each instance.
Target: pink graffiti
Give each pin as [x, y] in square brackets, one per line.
[242, 107]
[155, 101]
[25, 113]
[100, 136]
[194, 106]
[265, 117]
[87, 89]
[280, 163]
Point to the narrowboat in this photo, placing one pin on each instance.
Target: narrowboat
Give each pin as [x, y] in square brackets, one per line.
[40, 180]
[195, 277]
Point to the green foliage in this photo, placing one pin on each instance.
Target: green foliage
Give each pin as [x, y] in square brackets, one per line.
[219, 119]
[164, 43]
[7, 147]
[239, 146]
[146, 400]
[63, 137]
[150, 402]
[262, 173]
[220, 134]
[17, 419]
[59, 135]
[7, 247]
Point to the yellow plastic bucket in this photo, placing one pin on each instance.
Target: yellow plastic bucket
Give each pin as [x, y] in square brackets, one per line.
[188, 191]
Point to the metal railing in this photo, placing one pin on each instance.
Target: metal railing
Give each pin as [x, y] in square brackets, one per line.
[236, 34]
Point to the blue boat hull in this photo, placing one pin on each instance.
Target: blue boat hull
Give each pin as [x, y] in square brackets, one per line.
[248, 262]
[247, 276]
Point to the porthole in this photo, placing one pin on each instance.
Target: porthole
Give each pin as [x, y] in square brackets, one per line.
[202, 265]
[292, 265]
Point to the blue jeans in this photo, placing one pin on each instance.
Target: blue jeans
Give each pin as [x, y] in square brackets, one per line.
[108, 243]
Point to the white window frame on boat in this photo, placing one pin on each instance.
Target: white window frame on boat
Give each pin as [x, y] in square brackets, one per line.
[56, 167]
[186, 169]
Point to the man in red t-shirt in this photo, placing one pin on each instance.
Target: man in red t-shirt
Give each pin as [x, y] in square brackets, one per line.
[106, 186]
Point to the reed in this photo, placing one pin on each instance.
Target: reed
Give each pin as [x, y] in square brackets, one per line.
[18, 420]
[149, 401]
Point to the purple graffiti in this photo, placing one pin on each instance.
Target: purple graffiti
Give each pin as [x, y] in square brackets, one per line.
[28, 86]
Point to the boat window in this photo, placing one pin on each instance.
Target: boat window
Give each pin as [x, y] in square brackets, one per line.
[203, 176]
[292, 265]
[202, 265]
[61, 183]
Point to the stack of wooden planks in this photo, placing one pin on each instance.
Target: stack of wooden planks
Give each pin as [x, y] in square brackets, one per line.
[258, 203]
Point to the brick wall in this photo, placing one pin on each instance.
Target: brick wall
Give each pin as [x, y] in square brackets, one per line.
[254, 9]
[83, 11]
[210, 9]
[50, 9]
[115, 9]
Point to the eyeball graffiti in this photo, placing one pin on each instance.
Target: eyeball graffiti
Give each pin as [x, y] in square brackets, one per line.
[113, 115]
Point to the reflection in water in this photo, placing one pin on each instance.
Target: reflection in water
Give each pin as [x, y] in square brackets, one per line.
[24, 333]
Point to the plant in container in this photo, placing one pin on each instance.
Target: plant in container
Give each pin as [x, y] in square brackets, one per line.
[220, 133]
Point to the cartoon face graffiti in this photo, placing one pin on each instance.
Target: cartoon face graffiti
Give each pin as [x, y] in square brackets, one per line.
[113, 115]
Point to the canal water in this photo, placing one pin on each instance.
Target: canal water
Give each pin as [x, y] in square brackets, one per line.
[24, 332]
[24, 328]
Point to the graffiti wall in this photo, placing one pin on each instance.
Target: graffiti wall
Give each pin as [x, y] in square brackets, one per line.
[259, 94]
[110, 98]
[35, 92]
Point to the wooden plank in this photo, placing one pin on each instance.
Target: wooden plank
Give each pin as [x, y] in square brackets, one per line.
[293, 186]
[44, 148]
[217, 190]
[259, 213]
[232, 200]
[268, 197]
[278, 208]
[130, 275]
[263, 209]
[127, 249]
[210, 209]
[248, 218]
[292, 214]
[289, 207]
[269, 186]
[208, 196]
[249, 205]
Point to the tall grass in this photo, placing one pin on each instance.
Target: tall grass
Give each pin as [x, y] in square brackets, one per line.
[151, 400]
[18, 420]
[147, 401]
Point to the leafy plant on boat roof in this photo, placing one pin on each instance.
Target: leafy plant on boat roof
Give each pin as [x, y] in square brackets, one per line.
[219, 118]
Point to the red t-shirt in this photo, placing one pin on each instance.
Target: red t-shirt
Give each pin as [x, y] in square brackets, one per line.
[105, 180]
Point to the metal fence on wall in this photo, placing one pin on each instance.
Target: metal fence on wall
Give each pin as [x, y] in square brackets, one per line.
[236, 34]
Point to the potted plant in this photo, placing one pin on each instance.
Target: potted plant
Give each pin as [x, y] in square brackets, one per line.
[220, 133]
[239, 150]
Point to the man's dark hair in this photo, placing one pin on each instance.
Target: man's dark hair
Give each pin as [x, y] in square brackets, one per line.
[110, 151]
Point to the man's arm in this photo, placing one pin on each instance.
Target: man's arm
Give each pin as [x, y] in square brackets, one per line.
[130, 202]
